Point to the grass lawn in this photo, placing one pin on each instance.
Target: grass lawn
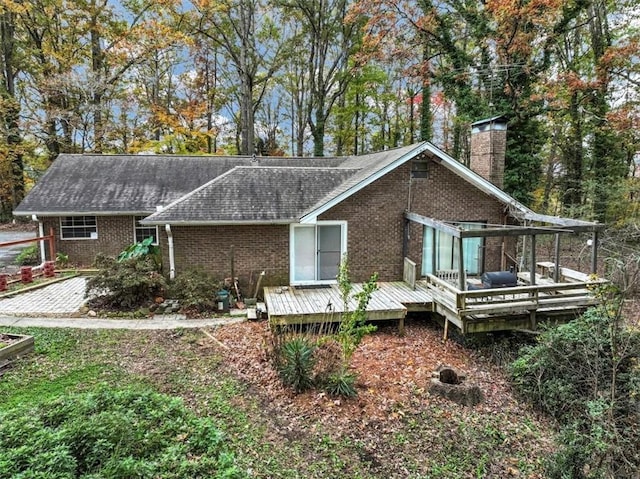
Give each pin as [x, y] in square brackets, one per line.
[394, 429]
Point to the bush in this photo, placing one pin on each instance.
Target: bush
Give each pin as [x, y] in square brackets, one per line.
[586, 374]
[125, 285]
[295, 363]
[196, 290]
[29, 256]
[303, 358]
[341, 383]
[114, 434]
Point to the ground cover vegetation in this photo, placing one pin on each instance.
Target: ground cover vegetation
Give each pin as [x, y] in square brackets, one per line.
[224, 380]
[338, 77]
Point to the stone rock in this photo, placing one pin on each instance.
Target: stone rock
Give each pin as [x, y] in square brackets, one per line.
[448, 383]
[92, 314]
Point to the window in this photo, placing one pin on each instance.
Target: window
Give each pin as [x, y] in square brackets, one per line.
[316, 251]
[447, 251]
[420, 168]
[142, 232]
[78, 227]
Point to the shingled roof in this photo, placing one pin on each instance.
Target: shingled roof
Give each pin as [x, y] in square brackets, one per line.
[131, 184]
[250, 194]
[218, 190]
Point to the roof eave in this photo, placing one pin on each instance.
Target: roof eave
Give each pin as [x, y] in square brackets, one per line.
[219, 223]
[55, 214]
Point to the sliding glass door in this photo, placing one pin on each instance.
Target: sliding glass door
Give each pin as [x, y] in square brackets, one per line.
[447, 251]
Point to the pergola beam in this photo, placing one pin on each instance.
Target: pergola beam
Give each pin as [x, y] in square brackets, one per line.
[492, 231]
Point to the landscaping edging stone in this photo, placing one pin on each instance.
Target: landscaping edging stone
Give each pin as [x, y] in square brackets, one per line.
[24, 345]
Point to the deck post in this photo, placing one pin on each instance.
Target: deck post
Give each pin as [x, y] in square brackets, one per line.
[594, 252]
[533, 320]
[532, 269]
[446, 329]
[556, 259]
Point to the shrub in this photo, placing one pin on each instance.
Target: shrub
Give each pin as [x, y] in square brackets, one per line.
[123, 285]
[111, 433]
[62, 259]
[306, 356]
[29, 256]
[341, 383]
[196, 290]
[295, 363]
[586, 374]
[144, 248]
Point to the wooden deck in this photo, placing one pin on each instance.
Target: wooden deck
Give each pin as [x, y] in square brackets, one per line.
[472, 311]
[520, 307]
[305, 305]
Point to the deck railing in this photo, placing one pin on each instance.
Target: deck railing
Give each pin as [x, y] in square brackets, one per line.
[409, 273]
[518, 299]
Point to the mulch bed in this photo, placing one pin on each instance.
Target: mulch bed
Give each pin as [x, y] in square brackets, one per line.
[393, 374]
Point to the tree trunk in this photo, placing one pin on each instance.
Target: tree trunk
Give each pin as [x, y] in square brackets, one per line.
[426, 117]
[97, 68]
[11, 115]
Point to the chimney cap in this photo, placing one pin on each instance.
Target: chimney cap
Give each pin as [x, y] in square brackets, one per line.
[493, 119]
[495, 123]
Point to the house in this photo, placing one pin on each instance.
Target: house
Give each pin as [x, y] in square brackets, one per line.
[294, 218]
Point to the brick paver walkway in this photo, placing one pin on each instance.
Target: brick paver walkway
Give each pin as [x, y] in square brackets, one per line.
[48, 306]
[63, 298]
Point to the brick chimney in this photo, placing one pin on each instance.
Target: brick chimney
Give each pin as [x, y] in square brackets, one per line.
[488, 148]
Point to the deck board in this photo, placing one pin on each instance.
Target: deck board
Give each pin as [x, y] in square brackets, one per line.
[391, 300]
[471, 311]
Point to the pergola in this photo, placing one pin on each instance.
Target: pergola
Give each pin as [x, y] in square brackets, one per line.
[533, 225]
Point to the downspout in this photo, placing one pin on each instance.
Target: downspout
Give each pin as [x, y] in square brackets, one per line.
[43, 251]
[172, 259]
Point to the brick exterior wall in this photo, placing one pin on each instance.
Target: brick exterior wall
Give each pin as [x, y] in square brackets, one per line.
[114, 234]
[256, 248]
[375, 229]
[376, 225]
[488, 149]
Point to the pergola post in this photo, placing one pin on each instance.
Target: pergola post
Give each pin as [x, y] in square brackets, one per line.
[461, 275]
[594, 252]
[556, 259]
[434, 256]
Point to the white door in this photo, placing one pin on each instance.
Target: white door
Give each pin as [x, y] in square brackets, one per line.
[316, 252]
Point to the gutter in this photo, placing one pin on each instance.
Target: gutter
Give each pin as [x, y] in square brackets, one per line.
[172, 259]
[43, 251]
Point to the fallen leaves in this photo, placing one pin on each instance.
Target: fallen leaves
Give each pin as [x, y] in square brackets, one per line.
[393, 374]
